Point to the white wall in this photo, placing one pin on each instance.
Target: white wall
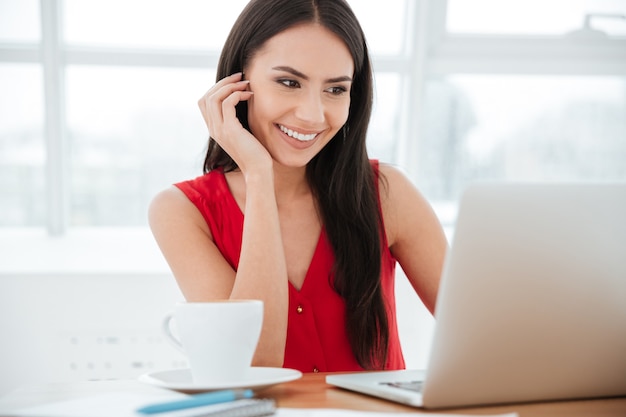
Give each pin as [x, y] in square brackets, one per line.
[416, 324]
[89, 305]
[79, 327]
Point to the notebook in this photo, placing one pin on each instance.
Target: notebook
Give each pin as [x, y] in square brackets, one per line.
[125, 404]
[531, 305]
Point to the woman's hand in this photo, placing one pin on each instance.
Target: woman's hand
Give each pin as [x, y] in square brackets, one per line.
[218, 110]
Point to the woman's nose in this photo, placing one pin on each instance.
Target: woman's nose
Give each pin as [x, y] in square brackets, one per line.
[310, 108]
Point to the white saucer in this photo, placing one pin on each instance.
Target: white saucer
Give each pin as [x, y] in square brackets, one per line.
[257, 378]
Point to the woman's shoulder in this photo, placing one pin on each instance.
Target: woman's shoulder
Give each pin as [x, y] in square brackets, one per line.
[393, 180]
[187, 200]
[400, 198]
[171, 211]
[204, 184]
[170, 201]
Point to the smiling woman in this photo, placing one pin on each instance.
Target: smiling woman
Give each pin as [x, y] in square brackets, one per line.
[294, 94]
[290, 209]
[118, 101]
[94, 122]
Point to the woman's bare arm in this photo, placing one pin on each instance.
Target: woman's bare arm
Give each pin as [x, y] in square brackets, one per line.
[414, 233]
[183, 236]
[203, 274]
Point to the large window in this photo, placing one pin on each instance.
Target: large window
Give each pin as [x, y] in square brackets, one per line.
[521, 127]
[121, 121]
[98, 110]
[22, 147]
[518, 91]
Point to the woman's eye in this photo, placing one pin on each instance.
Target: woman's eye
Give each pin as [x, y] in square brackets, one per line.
[289, 83]
[337, 90]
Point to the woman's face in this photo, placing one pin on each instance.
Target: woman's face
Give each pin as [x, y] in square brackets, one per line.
[301, 79]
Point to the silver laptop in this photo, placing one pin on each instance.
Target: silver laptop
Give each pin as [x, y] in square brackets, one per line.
[532, 302]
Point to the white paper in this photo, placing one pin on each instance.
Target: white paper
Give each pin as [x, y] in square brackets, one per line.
[124, 404]
[331, 412]
[118, 404]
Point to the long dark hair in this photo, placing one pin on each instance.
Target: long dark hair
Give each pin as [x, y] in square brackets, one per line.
[340, 176]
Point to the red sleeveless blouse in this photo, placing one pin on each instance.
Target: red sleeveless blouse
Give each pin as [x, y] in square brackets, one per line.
[316, 335]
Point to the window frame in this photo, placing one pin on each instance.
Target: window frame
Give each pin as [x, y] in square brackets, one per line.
[438, 53]
[55, 56]
[428, 51]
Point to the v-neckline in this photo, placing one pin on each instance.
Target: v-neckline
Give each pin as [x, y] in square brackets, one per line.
[316, 254]
[320, 238]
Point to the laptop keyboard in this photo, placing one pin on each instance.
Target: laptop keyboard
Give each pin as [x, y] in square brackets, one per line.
[410, 385]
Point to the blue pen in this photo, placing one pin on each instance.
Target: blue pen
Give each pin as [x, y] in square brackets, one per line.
[197, 400]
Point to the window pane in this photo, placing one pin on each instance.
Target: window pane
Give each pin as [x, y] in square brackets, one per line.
[534, 17]
[527, 128]
[383, 24]
[22, 154]
[132, 132]
[19, 21]
[201, 24]
[192, 24]
[383, 132]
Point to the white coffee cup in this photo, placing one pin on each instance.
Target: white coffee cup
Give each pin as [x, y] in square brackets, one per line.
[219, 338]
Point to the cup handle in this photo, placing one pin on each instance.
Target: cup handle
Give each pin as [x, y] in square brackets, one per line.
[167, 331]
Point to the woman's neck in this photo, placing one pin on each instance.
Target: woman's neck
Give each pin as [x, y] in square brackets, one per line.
[290, 183]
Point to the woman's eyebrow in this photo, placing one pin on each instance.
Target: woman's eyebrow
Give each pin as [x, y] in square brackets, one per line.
[304, 77]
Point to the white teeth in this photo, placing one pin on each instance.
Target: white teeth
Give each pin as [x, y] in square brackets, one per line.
[296, 135]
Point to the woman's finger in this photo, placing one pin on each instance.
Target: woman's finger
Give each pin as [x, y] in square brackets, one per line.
[212, 100]
[231, 79]
[224, 81]
[229, 112]
[218, 108]
[216, 97]
[228, 126]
